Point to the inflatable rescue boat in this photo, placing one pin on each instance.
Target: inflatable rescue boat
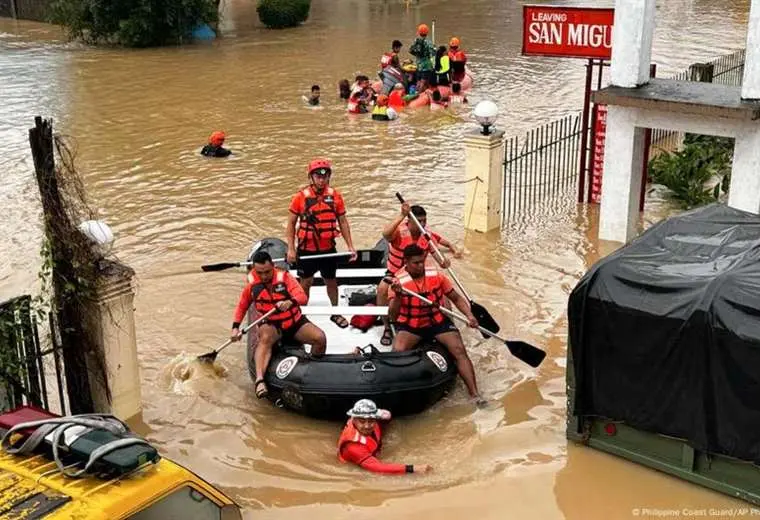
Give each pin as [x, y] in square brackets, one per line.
[403, 382]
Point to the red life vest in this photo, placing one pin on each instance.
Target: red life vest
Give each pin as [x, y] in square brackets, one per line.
[413, 311]
[386, 60]
[351, 434]
[354, 105]
[396, 254]
[319, 222]
[264, 299]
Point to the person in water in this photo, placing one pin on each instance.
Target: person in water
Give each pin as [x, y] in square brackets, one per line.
[418, 321]
[456, 96]
[382, 112]
[396, 98]
[314, 98]
[458, 61]
[344, 89]
[361, 439]
[361, 94]
[214, 147]
[436, 101]
[388, 56]
[317, 217]
[268, 288]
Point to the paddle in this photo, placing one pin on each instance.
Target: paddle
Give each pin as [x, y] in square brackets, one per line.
[521, 350]
[211, 356]
[481, 313]
[229, 265]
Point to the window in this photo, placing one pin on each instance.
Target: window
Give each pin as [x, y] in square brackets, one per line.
[182, 504]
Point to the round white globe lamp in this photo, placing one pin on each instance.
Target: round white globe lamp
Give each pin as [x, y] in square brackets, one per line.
[100, 235]
[485, 113]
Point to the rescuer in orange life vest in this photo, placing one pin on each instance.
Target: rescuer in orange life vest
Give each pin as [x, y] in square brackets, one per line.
[417, 321]
[269, 287]
[317, 217]
[400, 234]
[361, 440]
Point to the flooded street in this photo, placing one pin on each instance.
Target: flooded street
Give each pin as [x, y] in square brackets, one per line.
[138, 119]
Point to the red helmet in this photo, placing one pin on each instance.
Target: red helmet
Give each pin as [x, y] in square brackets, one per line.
[320, 167]
[422, 29]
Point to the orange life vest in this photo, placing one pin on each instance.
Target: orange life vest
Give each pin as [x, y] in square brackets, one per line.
[319, 220]
[396, 254]
[351, 434]
[264, 299]
[354, 101]
[386, 59]
[413, 311]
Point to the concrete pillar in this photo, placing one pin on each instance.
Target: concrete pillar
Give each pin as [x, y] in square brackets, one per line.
[623, 156]
[111, 323]
[484, 180]
[751, 82]
[744, 191]
[632, 37]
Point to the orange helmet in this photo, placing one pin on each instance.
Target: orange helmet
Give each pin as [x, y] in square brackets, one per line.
[216, 139]
[422, 29]
[454, 42]
[320, 167]
[382, 100]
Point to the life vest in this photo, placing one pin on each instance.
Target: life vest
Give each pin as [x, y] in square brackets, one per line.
[458, 61]
[351, 434]
[396, 254]
[354, 105]
[413, 311]
[445, 65]
[319, 220]
[380, 113]
[386, 60]
[396, 100]
[264, 299]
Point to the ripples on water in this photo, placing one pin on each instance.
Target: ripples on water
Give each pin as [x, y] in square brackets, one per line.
[140, 117]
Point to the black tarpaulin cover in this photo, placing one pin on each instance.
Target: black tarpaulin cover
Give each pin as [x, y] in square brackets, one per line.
[665, 332]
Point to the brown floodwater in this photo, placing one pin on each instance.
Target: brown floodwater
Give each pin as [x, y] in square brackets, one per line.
[138, 119]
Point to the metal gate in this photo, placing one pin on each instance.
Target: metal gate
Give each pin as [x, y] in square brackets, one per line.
[29, 374]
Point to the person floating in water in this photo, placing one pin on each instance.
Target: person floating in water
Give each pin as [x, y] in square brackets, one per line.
[344, 89]
[360, 440]
[214, 147]
[314, 99]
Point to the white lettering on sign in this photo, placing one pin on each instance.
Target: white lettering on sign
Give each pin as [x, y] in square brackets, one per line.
[590, 35]
[546, 33]
[548, 17]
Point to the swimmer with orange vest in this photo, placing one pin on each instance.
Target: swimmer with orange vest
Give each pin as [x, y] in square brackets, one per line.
[361, 440]
[214, 147]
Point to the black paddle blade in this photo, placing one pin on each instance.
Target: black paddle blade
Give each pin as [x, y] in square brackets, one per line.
[208, 358]
[219, 267]
[526, 352]
[484, 318]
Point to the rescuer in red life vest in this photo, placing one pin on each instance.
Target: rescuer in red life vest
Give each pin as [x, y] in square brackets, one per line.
[269, 287]
[400, 234]
[417, 321]
[317, 217]
[361, 440]
[458, 61]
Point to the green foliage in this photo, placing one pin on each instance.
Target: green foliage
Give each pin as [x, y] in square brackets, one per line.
[133, 23]
[278, 14]
[687, 172]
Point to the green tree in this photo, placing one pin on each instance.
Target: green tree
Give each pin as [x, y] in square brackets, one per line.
[133, 23]
[278, 14]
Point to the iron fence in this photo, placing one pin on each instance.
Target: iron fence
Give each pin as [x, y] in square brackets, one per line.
[541, 165]
[27, 375]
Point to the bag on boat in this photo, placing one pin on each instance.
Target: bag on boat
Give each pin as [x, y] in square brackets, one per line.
[363, 297]
[364, 323]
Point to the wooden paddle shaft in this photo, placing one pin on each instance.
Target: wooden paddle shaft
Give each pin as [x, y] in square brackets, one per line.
[248, 327]
[452, 314]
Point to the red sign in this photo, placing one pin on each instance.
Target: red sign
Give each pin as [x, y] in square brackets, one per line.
[600, 133]
[573, 32]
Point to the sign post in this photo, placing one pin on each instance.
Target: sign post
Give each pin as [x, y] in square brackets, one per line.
[571, 32]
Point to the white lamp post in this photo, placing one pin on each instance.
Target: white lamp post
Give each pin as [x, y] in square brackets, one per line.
[485, 113]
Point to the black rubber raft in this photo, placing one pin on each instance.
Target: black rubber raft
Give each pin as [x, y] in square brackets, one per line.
[403, 382]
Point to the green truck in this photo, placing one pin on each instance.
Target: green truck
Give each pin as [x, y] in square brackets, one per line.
[664, 351]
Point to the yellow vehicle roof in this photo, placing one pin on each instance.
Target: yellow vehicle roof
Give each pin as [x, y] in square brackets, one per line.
[33, 487]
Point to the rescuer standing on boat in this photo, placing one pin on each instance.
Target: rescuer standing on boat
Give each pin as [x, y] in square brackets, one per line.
[361, 438]
[416, 320]
[317, 217]
[269, 287]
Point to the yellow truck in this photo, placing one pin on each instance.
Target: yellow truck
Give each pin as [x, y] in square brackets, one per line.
[125, 478]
